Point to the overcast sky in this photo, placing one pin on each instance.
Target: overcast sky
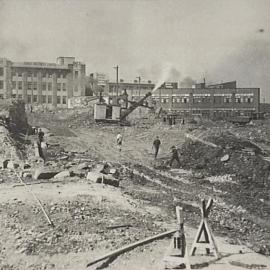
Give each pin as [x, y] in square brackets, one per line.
[218, 39]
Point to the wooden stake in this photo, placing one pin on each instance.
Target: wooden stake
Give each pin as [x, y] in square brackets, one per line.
[209, 242]
[177, 253]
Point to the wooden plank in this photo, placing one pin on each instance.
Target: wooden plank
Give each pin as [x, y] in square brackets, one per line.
[119, 226]
[131, 246]
[37, 199]
[192, 137]
[209, 206]
[212, 240]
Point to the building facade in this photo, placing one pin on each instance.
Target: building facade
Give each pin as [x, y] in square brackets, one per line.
[50, 84]
[214, 102]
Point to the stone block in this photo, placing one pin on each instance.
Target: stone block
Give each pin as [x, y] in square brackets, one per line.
[109, 180]
[12, 165]
[44, 174]
[62, 174]
[83, 166]
[102, 179]
[94, 177]
[5, 163]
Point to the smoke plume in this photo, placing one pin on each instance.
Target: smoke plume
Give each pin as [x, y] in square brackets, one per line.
[168, 73]
[187, 82]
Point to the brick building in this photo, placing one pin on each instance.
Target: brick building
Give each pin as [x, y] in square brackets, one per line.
[215, 101]
[50, 84]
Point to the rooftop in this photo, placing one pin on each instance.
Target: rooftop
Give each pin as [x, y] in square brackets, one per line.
[39, 65]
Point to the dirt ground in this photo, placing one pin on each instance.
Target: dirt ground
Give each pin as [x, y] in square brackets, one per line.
[83, 211]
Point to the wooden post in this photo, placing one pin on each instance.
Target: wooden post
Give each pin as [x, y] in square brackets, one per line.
[177, 253]
[204, 230]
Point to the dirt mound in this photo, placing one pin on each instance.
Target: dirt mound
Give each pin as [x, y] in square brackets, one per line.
[245, 175]
[232, 155]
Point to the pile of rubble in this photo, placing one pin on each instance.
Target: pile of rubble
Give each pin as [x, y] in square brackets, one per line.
[13, 123]
[225, 153]
[63, 118]
[80, 225]
[13, 112]
[10, 156]
[237, 170]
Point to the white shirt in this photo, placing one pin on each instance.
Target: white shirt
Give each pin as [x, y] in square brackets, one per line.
[119, 138]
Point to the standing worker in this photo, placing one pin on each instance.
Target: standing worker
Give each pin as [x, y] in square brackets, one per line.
[156, 145]
[43, 147]
[40, 135]
[174, 156]
[119, 140]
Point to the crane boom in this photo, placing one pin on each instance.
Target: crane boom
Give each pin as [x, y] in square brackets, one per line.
[134, 106]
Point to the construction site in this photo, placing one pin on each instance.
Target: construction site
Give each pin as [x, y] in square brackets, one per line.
[135, 135]
[92, 205]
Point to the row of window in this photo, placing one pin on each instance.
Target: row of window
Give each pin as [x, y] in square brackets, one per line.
[45, 99]
[222, 113]
[43, 75]
[34, 86]
[217, 100]
[130, 88]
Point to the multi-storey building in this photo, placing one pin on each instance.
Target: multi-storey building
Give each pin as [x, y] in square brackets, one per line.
[215, 101]
[50, 84]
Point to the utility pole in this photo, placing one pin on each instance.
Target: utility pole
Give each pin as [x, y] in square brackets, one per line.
[139, 78]
[117, 85]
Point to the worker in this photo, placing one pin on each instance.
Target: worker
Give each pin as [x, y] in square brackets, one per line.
[174, 156]
[156, 145]
[119, 140]
[40, 135]
[43, 146]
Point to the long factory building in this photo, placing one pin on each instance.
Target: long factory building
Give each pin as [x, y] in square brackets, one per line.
[210, 101]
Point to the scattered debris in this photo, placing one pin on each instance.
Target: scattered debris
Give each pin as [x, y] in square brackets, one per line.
[248, 266]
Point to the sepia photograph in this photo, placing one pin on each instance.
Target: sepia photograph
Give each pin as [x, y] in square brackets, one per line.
[134, 134]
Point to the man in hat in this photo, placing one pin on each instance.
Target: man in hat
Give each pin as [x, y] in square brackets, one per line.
[40, 135]
[175, 156]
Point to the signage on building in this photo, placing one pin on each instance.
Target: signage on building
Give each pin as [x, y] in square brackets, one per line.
[169, 85]
[101, 79]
